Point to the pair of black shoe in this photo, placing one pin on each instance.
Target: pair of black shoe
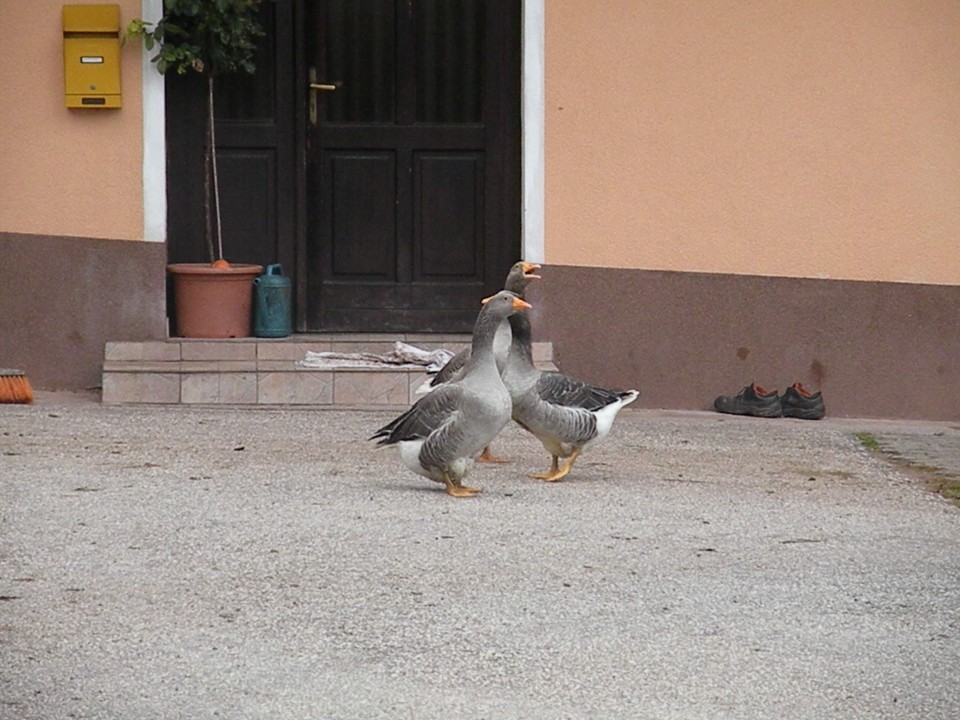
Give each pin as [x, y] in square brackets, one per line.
[796, 402]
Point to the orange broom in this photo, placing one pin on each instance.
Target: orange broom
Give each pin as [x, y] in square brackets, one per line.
[14, 387]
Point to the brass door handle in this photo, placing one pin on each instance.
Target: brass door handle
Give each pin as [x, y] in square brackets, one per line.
[314, 87]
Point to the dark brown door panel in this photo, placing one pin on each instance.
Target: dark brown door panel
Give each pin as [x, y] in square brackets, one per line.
[413, 161]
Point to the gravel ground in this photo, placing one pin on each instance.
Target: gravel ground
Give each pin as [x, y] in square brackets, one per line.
[181, 562]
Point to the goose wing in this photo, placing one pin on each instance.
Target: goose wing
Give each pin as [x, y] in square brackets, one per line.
[451, 370]
[565, 391]
[425, 416]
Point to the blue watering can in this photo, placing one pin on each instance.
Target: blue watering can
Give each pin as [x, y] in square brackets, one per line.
[271, 303]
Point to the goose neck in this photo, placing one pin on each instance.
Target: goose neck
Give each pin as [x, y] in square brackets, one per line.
[521, 343]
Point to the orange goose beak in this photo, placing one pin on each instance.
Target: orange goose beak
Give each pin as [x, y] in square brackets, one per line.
[518, 304]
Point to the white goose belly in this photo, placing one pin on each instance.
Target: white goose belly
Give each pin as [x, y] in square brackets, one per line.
[410, 457]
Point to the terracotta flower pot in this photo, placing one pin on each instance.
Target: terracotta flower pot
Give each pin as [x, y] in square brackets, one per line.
[213, 302]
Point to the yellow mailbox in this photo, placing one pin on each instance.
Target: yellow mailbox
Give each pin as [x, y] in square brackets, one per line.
[91, 56]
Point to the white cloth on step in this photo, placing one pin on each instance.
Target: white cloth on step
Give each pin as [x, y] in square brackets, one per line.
[402, 355]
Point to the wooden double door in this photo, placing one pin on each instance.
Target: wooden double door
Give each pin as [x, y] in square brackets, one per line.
[375, 154]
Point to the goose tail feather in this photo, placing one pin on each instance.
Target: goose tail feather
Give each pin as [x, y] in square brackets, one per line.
[628, 397]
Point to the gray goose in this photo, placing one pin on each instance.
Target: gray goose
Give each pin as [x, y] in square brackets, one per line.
[518, 278]
[567, 415]
[440, 435]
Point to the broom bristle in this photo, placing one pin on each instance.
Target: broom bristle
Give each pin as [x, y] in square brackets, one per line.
[15, 388]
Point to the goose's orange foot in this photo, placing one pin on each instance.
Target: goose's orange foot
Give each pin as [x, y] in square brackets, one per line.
[488, 457]
[556, 473]
[553, 477]
[455, 489]
[550, 474]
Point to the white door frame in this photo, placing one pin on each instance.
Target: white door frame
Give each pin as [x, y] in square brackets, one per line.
[154, 138]
[532, 140]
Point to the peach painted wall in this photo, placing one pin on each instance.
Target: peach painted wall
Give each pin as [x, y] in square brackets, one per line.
[814, 138]
[65, 172]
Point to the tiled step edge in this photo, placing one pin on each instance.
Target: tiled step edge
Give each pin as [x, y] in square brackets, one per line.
[254, 373]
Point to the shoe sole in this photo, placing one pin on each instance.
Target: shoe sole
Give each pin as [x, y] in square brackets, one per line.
[753, 412]
[804, 414]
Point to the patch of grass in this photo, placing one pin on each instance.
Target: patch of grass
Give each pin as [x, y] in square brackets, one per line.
[947, 487]
[950, 489]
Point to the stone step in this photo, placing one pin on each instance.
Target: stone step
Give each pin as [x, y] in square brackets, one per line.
[260, 371]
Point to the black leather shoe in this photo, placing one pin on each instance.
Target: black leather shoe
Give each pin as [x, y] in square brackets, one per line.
[798, 402]
[752, 400]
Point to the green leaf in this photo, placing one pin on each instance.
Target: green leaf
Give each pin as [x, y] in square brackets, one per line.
[211, 36]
